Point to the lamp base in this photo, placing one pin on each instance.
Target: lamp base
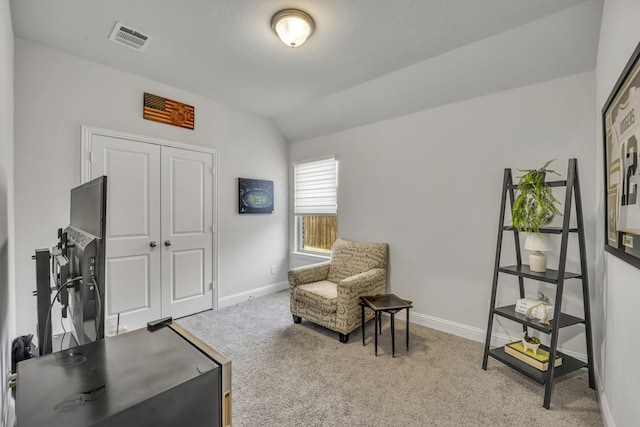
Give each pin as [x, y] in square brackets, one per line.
[538, 262]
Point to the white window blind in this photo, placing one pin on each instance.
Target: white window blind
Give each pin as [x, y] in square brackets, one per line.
[316, 187]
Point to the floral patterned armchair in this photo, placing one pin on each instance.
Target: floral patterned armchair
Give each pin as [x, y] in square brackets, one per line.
[328, 293]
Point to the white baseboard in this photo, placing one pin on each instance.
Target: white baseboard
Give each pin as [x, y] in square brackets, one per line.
[464, 331]
[473, 333]
[250, 294]
[605, 409]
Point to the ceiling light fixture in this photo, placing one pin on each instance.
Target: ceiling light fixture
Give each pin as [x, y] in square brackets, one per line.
[292, 26]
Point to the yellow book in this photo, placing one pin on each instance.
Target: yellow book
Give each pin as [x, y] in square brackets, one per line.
[539, 361]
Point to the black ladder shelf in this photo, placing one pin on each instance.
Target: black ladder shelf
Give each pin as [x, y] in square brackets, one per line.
[560, 320]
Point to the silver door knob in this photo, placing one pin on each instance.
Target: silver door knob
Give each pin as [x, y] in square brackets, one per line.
[167, 242]
[153, 243]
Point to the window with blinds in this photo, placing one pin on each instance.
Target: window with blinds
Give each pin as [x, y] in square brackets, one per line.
[316, 205]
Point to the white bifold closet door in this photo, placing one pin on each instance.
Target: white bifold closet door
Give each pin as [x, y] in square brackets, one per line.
[159, 247]
[186, 229]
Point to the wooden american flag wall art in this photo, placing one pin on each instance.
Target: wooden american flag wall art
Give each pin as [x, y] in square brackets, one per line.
[168, 111]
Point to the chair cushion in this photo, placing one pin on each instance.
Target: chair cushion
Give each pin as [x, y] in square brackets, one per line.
[322, 295]
[351, 258]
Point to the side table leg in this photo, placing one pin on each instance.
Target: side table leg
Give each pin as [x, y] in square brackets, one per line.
[393, 335]
[362, 325]
[375, 320]
[379, 322]
[407, 329]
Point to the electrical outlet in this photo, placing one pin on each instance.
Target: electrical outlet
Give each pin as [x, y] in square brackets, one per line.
[273, 269]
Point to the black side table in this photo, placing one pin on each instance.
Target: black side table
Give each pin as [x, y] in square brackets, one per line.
[389, 303]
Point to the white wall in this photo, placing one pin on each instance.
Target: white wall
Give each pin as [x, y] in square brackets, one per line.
[7, 279]
[56, 93]
[620, 292]
[429, 184]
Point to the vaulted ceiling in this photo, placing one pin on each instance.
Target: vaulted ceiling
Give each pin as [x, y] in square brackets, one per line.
[368, 60]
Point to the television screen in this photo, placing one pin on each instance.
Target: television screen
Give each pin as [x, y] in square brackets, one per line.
[86, 255]
[88, 207]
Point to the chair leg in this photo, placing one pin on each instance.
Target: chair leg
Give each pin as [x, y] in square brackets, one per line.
[344, 338]
[296, 319]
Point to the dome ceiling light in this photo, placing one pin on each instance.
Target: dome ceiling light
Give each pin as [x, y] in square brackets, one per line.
[292, 26]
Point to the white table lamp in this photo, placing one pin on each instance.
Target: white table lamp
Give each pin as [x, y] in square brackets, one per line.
[538, 244]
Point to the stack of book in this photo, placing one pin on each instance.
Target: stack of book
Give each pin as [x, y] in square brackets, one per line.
[539, 360]
[523, 304]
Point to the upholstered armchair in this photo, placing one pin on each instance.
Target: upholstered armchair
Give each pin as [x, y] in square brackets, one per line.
[328, 293]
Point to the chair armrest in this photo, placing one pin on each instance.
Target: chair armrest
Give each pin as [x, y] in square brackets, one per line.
[308, 274]
[371, 282]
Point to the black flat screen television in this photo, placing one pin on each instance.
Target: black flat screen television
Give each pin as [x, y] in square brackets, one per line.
[80, 261]
[88, 207]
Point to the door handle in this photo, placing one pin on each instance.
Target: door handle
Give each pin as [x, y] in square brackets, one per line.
[153, 243]
[167, 242]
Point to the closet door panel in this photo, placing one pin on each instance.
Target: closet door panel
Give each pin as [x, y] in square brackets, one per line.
[133, 227]
[187, 231]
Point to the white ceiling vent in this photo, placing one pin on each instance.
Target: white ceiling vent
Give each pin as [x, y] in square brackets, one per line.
[130, 37]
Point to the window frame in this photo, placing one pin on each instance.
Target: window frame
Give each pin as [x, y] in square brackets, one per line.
[298, 218]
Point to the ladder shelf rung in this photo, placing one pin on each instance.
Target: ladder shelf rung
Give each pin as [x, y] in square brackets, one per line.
[544, 230]
[569, 364]
[549, 183]
[509, 312]
[549, 276]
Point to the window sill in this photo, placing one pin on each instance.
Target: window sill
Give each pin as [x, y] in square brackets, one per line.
[306, 256]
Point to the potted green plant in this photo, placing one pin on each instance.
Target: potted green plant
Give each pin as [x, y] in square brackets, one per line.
[533, 208]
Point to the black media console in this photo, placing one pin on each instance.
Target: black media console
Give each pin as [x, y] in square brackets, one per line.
[163, 377]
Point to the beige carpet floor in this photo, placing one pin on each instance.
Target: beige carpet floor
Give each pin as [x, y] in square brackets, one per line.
[287, 374]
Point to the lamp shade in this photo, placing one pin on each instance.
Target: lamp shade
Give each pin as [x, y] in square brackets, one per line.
[537, 242]
[292, 26]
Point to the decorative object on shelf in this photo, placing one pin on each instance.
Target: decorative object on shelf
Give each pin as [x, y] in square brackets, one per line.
[543, 305]
[538, 243]
[255, 196]
[621, 130]
[292, 26]
[530, 343]
[544, 298]
[535, 205]
[544, 320]
[168, 111]
[533, 208]
[535, 309]
[540, 361]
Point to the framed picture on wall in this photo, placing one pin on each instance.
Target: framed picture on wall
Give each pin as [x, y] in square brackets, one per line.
[255, 196]
[621, 128]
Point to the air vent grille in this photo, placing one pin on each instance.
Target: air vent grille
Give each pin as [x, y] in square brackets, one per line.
[130, 37]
